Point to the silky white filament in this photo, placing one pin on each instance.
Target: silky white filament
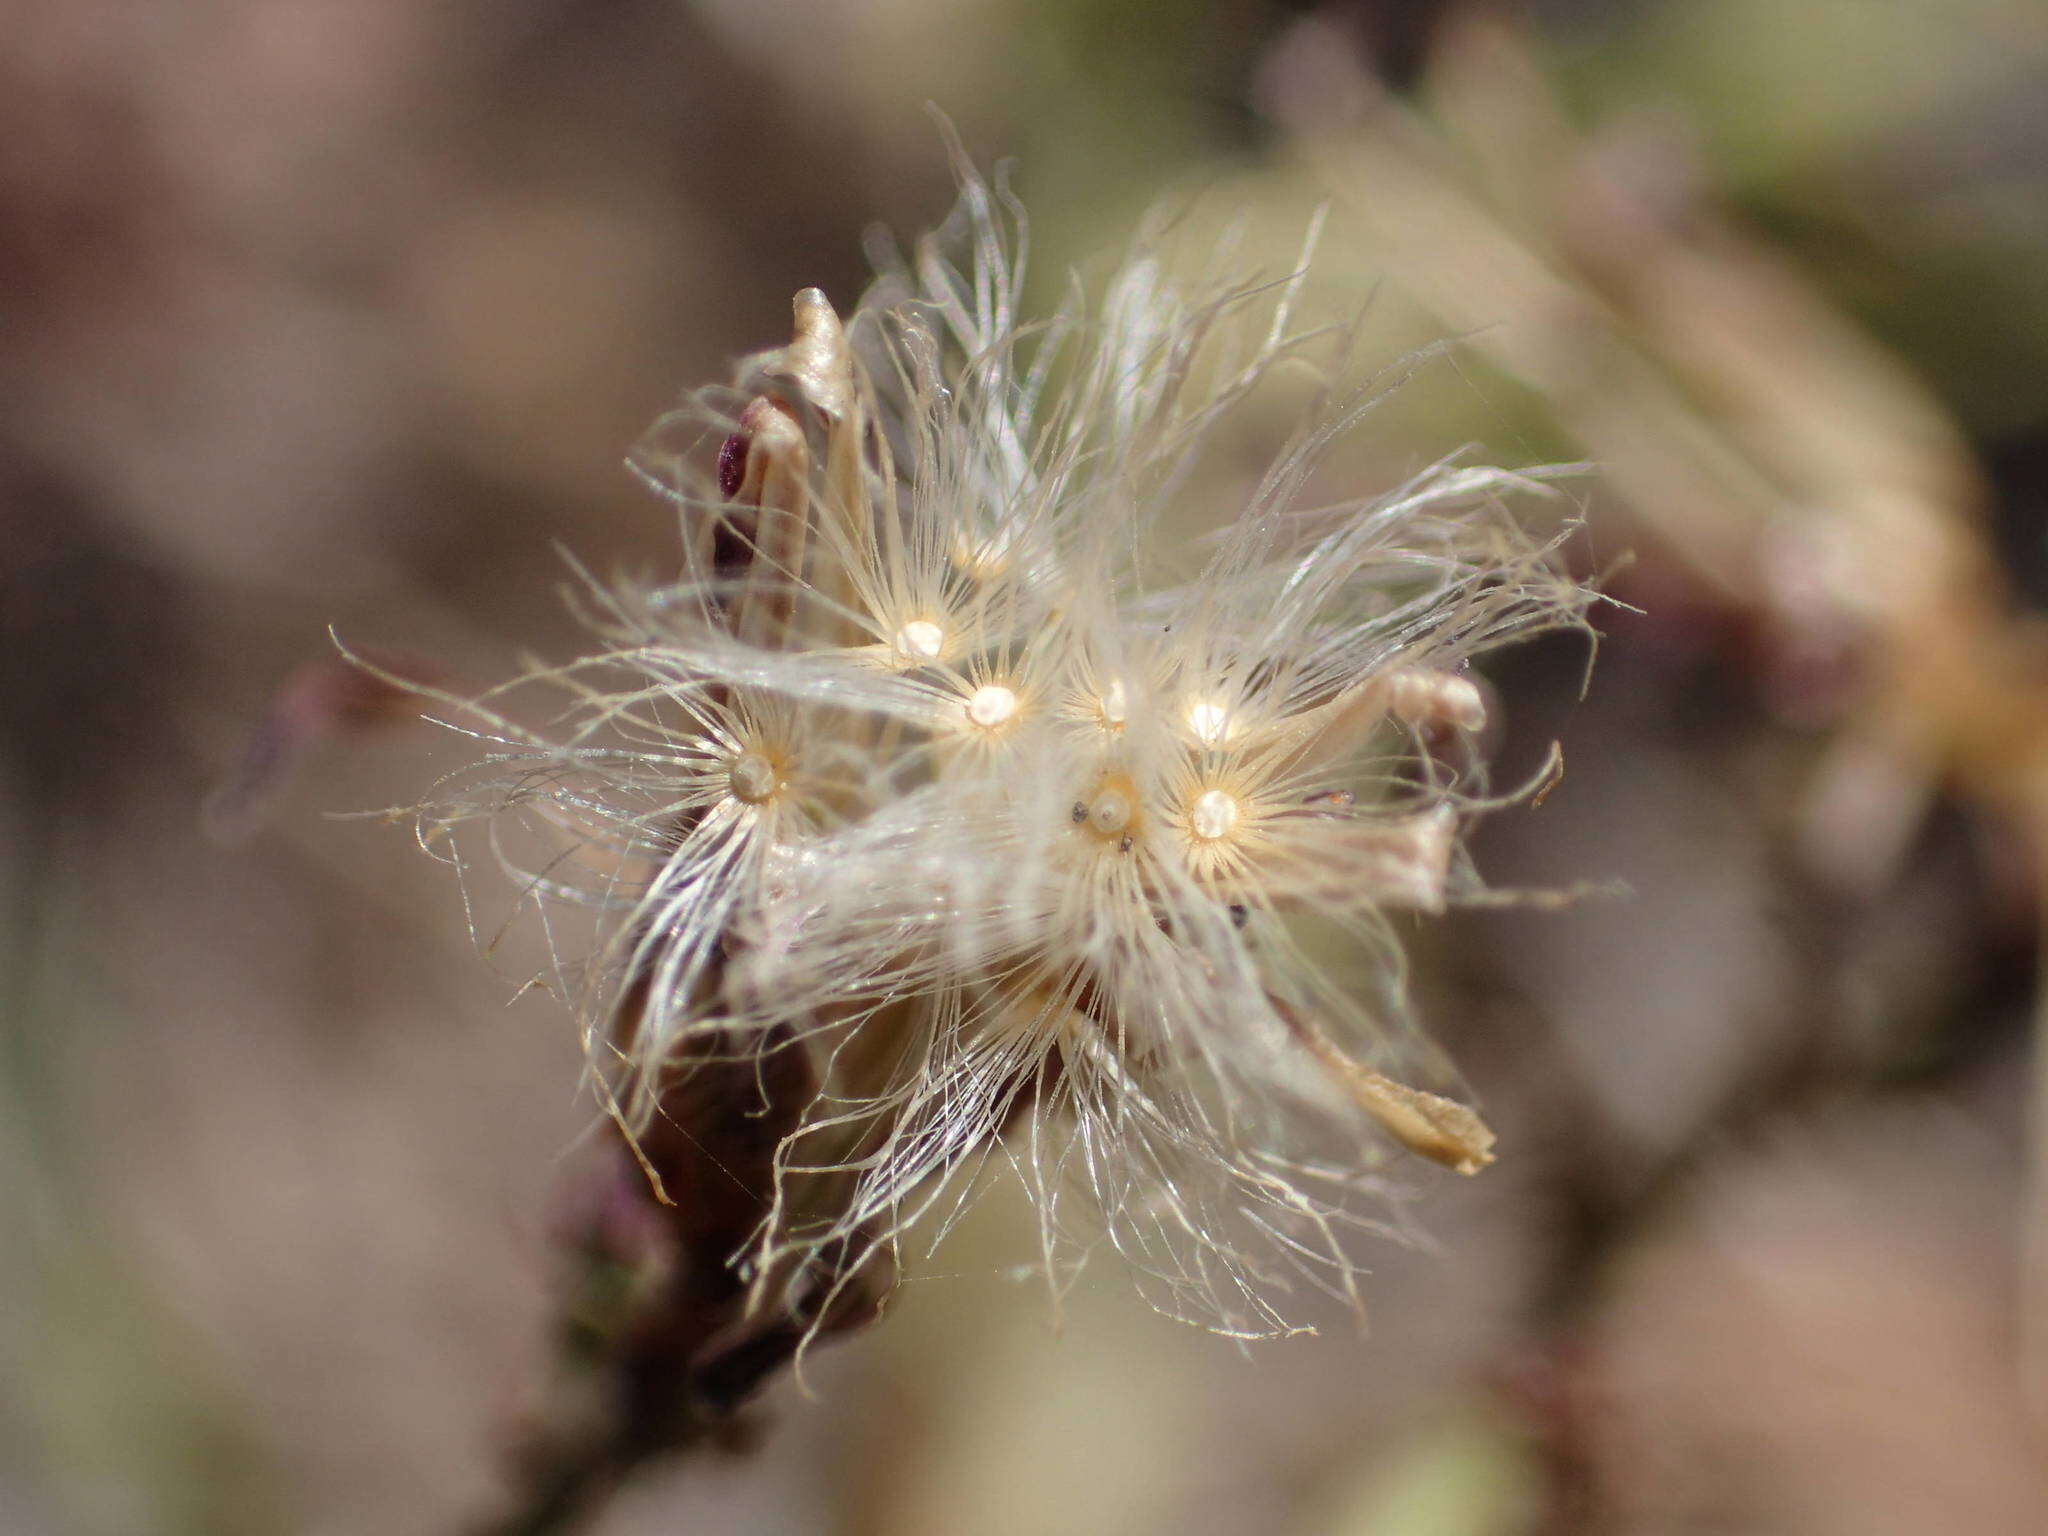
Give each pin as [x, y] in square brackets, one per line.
[915, 911]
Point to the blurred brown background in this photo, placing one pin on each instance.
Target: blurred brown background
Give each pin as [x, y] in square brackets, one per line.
[344, 311]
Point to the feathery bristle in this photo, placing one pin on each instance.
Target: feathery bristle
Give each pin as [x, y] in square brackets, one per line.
[919, 769]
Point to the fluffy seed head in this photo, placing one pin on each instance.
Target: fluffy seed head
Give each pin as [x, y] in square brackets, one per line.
[991, 706]
[1113, 708]
[1213, 815]
[753, 778]
[1110, 810]
[920, 641]
[940, 784]
[1208, 721]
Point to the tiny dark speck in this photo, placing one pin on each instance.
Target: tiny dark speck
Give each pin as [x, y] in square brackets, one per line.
[732, 465]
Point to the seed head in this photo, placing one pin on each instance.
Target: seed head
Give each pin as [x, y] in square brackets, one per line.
[940, 767]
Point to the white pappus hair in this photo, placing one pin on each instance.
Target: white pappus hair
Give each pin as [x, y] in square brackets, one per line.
[991, 810]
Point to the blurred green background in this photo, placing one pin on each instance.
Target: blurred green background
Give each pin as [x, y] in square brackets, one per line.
[345, 311]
